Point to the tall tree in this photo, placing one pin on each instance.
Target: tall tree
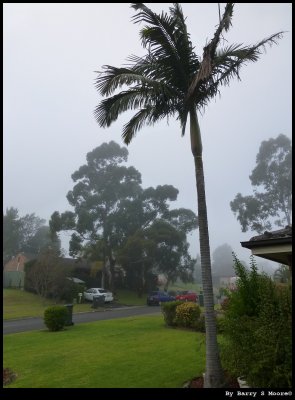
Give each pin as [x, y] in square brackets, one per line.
[282, 274]
[11, 233]
[170, 252]
[101, 185]
[222, 263]
[45, 274]
[272, 186]
[159, 248]
[171, 80]
[110, 206]
[25, 234]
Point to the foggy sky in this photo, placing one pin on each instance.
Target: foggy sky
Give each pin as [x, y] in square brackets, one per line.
[51, 52]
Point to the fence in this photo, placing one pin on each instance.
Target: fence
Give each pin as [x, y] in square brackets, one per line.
[13, 279]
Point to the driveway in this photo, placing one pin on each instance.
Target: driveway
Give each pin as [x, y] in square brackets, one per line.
[30, 324]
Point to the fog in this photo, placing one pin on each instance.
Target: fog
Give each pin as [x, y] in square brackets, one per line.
[51, 52]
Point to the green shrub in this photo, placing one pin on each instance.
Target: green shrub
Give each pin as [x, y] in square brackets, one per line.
[258, 342]
[55, 317]
[200, 324]
[220, 324]
[187, 314]
[169, 312]
[224, 304]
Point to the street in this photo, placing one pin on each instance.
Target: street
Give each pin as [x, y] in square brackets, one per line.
[29, 324]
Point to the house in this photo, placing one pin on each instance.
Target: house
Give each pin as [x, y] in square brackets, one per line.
[17, 262]
[13, 271]
[275, 246]
[14, 274]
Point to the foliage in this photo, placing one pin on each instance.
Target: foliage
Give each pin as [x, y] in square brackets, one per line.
[220, 324]
[170, 252]
[55, 317]
[222, 265]
[200, 324]
[105, 198]
[8, 376]
[246, 299]
[282, 274]
[169, 311]
[25, 234]
[187, 314]
[258, 326]
[45, 275]
[225, 303]
[273, 173]
[69, 291]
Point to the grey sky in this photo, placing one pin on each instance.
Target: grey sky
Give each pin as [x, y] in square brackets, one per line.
[51, 51]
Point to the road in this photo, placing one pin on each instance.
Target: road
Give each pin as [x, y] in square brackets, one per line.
[30, 324]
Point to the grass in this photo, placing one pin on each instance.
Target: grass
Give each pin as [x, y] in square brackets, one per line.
[133, 352]
[195, 287]
[21, 304]
[130, 298]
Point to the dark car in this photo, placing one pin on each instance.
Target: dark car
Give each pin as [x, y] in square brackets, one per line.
[158, 297]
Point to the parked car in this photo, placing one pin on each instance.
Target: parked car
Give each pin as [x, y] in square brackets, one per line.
[89, 293]
[157, 297]
[186, 295]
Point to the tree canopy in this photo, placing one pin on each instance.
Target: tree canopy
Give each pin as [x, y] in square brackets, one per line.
[271, 202]
[222, 264]
[25, 234]
[112, 210]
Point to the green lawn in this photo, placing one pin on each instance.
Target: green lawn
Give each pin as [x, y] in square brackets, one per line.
[20, 304]
[133, 352]
[195, 287]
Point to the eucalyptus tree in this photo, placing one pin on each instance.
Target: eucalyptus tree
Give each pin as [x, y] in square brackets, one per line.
[160, 248]
[100, 185]
[282, 274]
[272, 188]
[171, 80]
[25, 234]
[110, 206]
[170, 252]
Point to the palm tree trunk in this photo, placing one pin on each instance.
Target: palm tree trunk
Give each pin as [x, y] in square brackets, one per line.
[213, 374]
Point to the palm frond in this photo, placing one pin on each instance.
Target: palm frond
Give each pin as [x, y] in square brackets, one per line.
[107, 82]
[149, 115]
[109, 109]
[226, 65]
[167, 41]
[157, 94]
[209, 50]
[135, 124]
[228, 62]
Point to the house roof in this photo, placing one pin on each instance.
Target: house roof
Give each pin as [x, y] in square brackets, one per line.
[16, 263]
[75, 280]
[275, 246]
[73, 262]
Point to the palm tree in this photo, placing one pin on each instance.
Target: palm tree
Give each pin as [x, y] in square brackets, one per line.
[170, 80]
